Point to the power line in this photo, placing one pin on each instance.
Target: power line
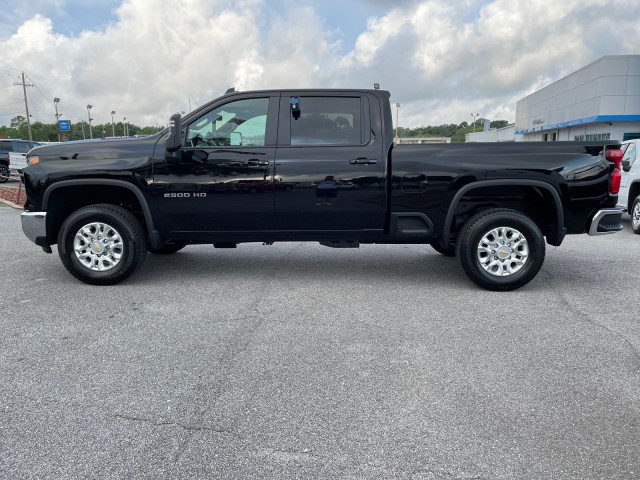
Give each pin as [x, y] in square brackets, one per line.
[10, 114]
[17, 102]
[46, 101]
[11, 71]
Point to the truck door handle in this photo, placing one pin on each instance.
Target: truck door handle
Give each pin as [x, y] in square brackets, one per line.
[363, 161]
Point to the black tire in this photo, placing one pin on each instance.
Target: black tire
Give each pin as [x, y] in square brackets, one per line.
[4, 173]
[509, 266]
[102, 244]
[635, 216]
[168, 248]
[450, 251]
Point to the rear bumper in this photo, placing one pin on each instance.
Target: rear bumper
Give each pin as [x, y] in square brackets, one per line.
[607, 221]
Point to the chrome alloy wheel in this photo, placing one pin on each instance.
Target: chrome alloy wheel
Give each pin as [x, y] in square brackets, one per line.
[635, 216]
[503, 251]
[98, 246]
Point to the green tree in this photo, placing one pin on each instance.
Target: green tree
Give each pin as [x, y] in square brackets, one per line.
[17, 122]
[457, 133]
[499, 124]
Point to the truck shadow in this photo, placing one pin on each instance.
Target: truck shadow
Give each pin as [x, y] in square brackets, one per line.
[306, 264]
[310, 263]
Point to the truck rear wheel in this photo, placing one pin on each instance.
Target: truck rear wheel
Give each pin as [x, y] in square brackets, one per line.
[635, 216]
[500, 249]
[102, 244]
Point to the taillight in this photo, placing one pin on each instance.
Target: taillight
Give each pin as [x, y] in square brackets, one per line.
[614, 182]
[615, 155]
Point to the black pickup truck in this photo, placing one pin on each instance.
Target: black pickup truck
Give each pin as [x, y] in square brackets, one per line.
[314, 165]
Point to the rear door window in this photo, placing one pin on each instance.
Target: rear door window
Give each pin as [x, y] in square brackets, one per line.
[326, 121]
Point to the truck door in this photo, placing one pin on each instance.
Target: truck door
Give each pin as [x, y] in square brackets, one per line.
[331, 161]
[224, 178]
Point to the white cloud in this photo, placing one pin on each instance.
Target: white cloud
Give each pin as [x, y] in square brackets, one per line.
[440, 60]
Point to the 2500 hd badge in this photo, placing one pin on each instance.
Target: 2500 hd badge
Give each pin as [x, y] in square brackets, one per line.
[184, 195]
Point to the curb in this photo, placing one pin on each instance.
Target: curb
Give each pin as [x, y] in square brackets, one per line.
[10, 204]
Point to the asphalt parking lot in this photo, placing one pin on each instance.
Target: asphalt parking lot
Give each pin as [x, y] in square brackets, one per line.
[300, 361]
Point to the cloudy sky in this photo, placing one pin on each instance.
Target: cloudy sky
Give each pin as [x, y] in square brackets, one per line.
[441, 60]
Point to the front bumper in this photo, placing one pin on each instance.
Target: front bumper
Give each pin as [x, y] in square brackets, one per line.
[34, 226]
[606, 221]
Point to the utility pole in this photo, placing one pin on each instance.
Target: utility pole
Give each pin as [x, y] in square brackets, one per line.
[26, 104]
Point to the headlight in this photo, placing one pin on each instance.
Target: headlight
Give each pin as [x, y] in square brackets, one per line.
[33, 160]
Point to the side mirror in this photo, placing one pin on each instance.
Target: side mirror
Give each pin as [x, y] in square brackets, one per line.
[626, 165]
[174, 140]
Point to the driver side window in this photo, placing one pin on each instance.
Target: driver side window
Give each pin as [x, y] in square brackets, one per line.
[241, 123]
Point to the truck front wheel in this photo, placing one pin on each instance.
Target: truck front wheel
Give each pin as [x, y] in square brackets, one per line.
[102, 244]
[500, 249]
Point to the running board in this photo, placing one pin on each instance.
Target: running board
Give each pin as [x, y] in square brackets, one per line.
[224, 244]
[341, 243]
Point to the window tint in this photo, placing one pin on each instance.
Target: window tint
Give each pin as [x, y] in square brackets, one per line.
[239, 123]
[6, 146]
[326, 121]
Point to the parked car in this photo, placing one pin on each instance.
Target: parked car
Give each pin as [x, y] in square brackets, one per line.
[13, 156]
[629, 196]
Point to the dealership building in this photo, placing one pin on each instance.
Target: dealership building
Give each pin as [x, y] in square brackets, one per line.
[598, 102]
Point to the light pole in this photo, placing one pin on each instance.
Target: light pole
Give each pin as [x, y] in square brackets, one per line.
[124, 127]
[397, 116]
[55, 104]
[89, 107]
[113, 125]
[474, 116]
